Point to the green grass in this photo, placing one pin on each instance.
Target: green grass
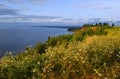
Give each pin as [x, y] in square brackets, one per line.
[114, 32]
[94, 57]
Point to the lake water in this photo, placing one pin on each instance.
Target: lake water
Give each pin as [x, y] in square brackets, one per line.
[17, 38]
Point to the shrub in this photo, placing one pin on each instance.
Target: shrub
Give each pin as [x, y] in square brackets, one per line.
[58, 40]
[97, 57]
[40, 48]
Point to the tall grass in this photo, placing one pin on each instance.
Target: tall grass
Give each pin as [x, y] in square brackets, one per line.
[96, 57]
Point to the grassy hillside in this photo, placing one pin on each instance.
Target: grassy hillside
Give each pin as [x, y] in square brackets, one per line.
[89, 53]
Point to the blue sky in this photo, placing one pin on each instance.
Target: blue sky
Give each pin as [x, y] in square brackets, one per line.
[59, 11]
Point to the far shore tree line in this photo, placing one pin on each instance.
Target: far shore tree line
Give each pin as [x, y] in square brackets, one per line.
[99, 24]
[105, 25]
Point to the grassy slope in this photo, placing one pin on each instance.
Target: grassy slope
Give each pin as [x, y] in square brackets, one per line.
[114, 32]
[96, 57]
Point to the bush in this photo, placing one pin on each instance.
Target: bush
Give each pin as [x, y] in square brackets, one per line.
[58, 40]
[40, 48]
[97, 57]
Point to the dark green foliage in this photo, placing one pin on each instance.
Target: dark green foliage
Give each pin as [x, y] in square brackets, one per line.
[106, 24]
[100, 31]
[113, 24]
[68, 57]
[77, 36]
[89, 31]
[23, 71]
[77, 61]
[58, 40]
[40, 48]
[100, 24]
[97, 25]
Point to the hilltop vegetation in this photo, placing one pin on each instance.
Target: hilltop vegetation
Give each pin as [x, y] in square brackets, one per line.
[88, 53]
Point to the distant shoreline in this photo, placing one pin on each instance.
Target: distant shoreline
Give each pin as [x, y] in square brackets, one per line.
[69, 28]
[57, 26]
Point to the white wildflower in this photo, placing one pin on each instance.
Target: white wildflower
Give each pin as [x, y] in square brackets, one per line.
[34, 70]
[38, 63]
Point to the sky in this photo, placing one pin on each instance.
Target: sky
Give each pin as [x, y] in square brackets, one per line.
[59, 11]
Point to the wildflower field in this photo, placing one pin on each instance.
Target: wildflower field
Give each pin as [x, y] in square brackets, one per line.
[86, 54]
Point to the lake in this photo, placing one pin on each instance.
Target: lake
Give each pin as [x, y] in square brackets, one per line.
[16, 39]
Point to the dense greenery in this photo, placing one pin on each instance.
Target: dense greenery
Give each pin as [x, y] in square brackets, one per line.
[89, 53]
[99, 25]
[79, 35]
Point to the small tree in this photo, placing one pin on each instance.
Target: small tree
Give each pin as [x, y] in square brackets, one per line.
[96, 24]
[113, 24]
[100, 24]
[40, 47]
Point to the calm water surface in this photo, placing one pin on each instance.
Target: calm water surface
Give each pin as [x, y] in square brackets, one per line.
[17, 38]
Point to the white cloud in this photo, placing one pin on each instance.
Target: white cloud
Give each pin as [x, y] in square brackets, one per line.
[39, 1]
[4, 10]
[31, 1]
[14, 1]
[39, 19]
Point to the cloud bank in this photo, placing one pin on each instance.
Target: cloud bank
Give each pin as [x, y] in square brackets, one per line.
[31, 1]
[38, 19]
[11, 11]
[4, 10]
[14, 1]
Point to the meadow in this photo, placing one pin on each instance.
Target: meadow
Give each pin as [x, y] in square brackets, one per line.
[88, 53]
